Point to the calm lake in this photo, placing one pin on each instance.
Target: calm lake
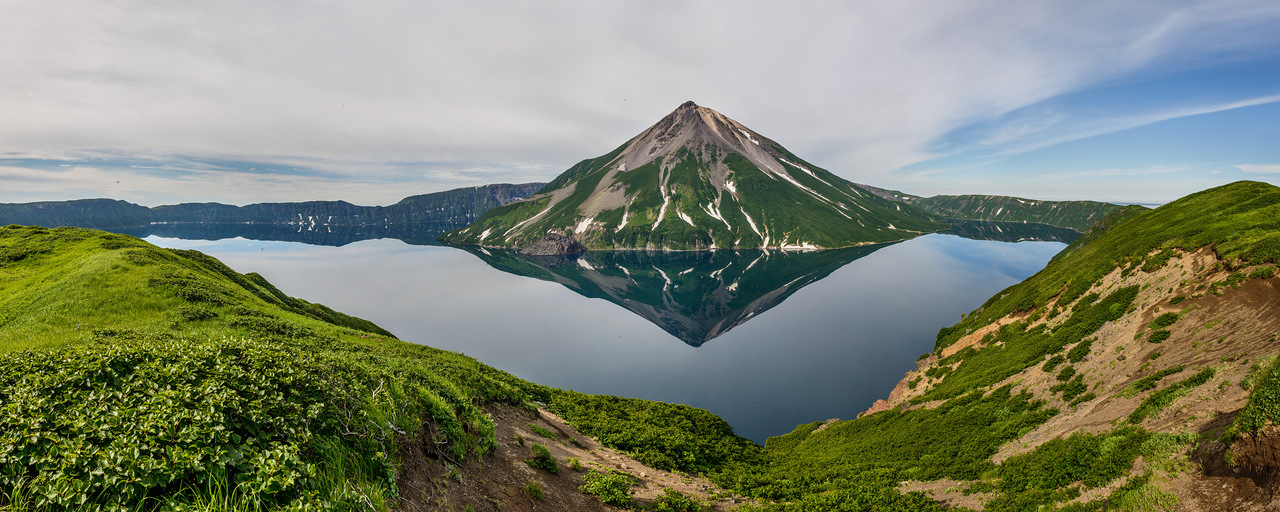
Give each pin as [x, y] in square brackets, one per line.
[765, 340]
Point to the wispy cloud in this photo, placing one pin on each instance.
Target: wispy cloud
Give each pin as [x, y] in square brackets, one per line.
[1101, 173]
[1260, 168]
[351, 89]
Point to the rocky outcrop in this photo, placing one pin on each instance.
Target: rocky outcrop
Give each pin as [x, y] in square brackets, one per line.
[553, 244]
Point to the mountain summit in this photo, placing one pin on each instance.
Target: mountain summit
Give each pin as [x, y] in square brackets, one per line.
[699, 180]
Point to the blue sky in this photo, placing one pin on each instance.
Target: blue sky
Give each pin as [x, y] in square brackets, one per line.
[245, 101]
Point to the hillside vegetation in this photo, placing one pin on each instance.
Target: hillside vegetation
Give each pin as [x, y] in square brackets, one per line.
[449, 209]
[699, 180]
[1135, 372]
[1074, 215]
[1149, 338]
[140, 378]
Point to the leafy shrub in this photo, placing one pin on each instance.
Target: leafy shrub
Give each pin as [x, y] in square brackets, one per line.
[672, 500]
[1071, 389]
[1081, 350]
[1082, 398]
[191, 288]
[1266, 272]
[1235, 279]
[542, 431]
[196, 313]
[613, 488]
[1093, 460]
[661, 435]
[1158, 261]
[185, 415]
[1164, 320]
[535, 491]
[1263, 407]
[1161, 399]
[1149, 382]
[268, 326]
[542, 459]
[1159, 336]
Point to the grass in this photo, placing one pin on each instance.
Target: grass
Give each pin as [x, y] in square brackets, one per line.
[220, 390]
[1163, 398]
[542, 459]
[543, 432]
[1236, 220]
[613, 488]
[534, 489]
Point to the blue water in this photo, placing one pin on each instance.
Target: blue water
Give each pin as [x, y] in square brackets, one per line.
[827, 351]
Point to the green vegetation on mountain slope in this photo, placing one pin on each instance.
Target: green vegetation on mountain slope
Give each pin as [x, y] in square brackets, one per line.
[1077, 215]
[144, 378]
[699, 180]
[164, 354]
[1074, 215]
[1240, 221]
[970, 403]
[141, 377]
[450, 208]
[97, 213]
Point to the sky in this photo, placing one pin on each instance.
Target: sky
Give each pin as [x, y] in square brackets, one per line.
[242, 101]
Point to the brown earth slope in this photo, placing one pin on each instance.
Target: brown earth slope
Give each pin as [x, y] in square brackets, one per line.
[499, 481]
[1229, 326]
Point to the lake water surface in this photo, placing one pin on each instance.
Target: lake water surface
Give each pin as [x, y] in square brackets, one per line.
[799, 337]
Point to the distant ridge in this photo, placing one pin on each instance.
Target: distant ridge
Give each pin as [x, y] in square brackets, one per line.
[456, 207]
[699, 180]
[1074, 215]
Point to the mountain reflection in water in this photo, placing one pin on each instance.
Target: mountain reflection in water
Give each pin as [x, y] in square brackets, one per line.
[693, 295]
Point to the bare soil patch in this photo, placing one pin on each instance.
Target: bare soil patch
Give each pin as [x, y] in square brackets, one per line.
[430, 481]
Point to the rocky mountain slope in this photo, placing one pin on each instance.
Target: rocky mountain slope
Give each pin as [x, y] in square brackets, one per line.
[1075, 215]
[1148, 351]
[699, 180]
[449, 209]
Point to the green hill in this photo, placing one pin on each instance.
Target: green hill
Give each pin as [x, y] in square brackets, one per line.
[1076, 215]
[699, 180]
[144, 378]
[139, 378]
[1151, 337]
[449, 209]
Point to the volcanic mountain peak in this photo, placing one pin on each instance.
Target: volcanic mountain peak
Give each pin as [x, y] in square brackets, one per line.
[699, 180]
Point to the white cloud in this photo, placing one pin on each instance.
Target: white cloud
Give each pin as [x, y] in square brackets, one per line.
[1260, 168]
[860, 88]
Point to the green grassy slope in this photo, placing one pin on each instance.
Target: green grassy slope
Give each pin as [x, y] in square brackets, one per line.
[1077, 215]
[135, 376]
[1240, 221]
[1074, 215]
[857, 464]
[139, 378]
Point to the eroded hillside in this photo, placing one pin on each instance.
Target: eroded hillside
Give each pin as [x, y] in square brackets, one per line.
[1180, 361]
